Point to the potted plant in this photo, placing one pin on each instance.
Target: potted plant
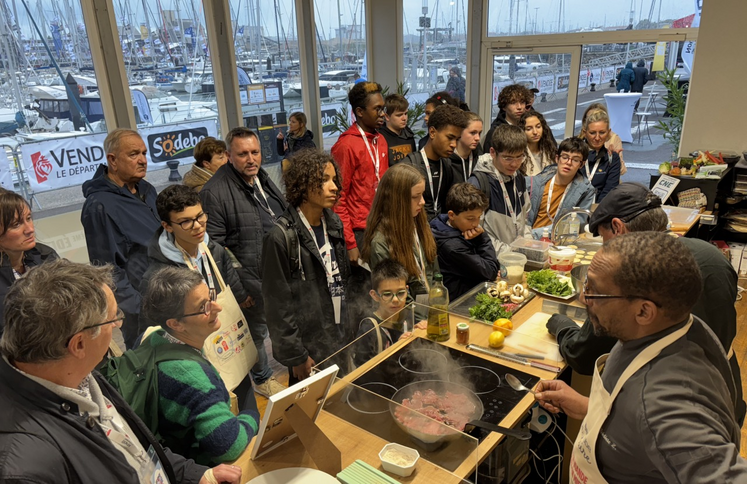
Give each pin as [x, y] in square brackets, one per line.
[671, 127]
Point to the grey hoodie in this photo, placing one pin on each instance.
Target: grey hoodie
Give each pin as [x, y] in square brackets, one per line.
[497, 221]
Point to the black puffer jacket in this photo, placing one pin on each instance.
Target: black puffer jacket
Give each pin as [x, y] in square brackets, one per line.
[300, 314]
[44, 439]
[157, 260]
[234, 222]
[31, 258]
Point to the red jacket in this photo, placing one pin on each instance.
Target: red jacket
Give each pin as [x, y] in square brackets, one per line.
[359, 181]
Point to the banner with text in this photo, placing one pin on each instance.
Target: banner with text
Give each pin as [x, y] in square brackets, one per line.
[70, 161]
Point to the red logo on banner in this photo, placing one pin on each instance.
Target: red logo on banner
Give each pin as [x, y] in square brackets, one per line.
[42, 166]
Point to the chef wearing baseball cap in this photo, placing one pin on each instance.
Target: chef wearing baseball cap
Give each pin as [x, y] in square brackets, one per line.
[631, 207]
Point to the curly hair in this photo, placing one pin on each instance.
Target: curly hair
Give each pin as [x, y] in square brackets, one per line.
[206, 148]
[448, 115]
[306, 173]
[547, 145]
[175, 198]
[672, 282]
[391, 214]
[358, 95]
[513, 94]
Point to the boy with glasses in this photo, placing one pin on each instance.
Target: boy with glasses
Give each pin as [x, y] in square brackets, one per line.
[496, 175]
[560, 187]
[389, 282]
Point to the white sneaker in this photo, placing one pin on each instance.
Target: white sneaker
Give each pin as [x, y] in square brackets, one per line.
[269, 387]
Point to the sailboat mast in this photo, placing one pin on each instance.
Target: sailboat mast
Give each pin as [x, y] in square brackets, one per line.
[277, 32]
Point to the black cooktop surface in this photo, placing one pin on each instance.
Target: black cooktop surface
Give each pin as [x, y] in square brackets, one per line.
[426, 360]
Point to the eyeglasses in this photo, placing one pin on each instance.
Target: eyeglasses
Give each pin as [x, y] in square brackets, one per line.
[206, 308]
[610, 296]
[118, 321]
[513, 159]
[565, 159]
[388, 296]
[189, 224]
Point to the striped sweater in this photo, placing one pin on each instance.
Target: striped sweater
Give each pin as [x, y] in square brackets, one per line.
[195, 418]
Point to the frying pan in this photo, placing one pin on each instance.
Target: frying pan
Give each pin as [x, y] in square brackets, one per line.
[442, 434]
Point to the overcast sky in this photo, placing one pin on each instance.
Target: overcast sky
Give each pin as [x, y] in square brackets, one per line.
[578, 13]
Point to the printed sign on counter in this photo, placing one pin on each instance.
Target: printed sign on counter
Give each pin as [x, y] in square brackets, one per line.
[665, 187]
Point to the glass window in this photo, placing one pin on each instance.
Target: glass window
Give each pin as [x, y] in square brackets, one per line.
[267, 63]
[522, 17]
[341, 57]
[549, 73]
[633, 97]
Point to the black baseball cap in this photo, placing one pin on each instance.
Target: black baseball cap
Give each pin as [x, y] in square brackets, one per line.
[534, 90]
[626, 201]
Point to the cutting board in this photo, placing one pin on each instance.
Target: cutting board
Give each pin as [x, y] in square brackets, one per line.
[531, 337]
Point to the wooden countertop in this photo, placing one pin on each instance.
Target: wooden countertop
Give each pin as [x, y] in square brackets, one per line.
[356, 443]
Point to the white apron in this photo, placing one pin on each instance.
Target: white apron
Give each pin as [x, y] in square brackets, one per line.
[583, 468]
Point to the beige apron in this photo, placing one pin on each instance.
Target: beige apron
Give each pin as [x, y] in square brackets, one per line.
[583, 468]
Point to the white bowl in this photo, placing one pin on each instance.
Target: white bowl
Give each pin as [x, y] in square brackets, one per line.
[395, 468]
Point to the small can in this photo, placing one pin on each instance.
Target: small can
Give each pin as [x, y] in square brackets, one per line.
[462, 335]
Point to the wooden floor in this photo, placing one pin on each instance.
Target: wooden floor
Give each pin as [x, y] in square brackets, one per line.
[740, 349]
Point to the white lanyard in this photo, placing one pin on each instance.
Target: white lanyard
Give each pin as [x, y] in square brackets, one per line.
[593, 170]
[430, 178]
[420, 262]
[325, 251]
[262, 192]
[375, 159]
[509, 205]
[466, 165]
[192, 263]
[549, 199]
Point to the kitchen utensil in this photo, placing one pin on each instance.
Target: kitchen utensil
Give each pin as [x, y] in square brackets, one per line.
[518, 434]
[438, 433]
[514, 383]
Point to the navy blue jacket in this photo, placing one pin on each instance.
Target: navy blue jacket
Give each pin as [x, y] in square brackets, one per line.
[290, 144]
[463, 263]
[607, 175]
[118, 227]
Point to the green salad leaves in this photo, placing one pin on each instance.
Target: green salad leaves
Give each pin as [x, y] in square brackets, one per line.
[488, 308]
[549, 282]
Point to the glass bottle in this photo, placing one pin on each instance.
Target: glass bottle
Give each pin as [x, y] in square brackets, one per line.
[438, 316]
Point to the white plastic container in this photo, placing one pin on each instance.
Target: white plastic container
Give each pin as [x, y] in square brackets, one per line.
[403, 466]
[561, 259]
[512, 267]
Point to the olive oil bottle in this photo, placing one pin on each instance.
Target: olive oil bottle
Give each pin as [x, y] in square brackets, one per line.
[439, 328]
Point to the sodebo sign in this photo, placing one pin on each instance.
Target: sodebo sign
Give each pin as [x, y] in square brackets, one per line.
[175, 144]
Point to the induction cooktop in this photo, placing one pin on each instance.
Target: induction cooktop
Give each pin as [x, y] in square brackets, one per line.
[427, 360]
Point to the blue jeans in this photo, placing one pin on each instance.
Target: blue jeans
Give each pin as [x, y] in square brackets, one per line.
[261, 371]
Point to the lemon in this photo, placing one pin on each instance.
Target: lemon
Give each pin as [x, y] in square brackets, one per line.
[503, 325]
[496, 339]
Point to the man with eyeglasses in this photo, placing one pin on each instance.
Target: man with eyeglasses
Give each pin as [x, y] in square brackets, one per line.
[119, 217]
[496, 174]
[631, 207]
[63, 422]
[662, 402]
[242, 204]
[560, 187]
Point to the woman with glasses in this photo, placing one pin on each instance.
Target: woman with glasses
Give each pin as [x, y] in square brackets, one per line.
[559, 187]
[603, 167]
[194, 409]
[19, 250]
[541, 145]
